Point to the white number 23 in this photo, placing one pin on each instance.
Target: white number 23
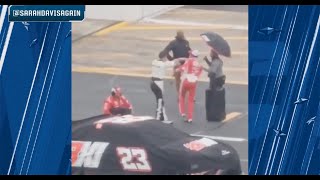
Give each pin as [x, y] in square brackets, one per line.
[134, 159]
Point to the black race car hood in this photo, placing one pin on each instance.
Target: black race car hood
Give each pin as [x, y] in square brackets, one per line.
[167, 149]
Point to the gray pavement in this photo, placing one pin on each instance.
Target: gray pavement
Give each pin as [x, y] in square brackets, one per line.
[88, 26]
[132, 47]
[220, 14]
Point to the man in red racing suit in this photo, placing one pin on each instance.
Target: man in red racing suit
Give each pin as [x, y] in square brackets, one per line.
[117, 104]
[190, 72]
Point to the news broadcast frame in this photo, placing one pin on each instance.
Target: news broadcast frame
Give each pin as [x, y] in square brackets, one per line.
[284, 124]
[35, 98]
[279, 134]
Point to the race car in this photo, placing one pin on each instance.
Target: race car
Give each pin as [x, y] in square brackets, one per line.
[141, 145]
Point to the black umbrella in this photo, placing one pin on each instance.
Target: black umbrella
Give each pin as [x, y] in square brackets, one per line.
[218, 43]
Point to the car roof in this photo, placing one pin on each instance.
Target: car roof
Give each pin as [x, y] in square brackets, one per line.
[139, 127]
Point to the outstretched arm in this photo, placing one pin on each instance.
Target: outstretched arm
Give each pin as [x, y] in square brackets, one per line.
[167, 49]
[205, 69]
[207, 61]
[199, 71]
[180, 61]
[127, 103]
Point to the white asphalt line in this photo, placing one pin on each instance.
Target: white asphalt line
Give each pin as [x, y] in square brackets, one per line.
[221, 138]
[244, 160]
[189, 23]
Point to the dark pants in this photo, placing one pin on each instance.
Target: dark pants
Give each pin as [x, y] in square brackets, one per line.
[157, 91]
[216, 82]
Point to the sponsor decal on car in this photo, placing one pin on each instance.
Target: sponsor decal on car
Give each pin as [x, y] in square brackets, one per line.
[87, 154]
[225, 152]
[199, 144]
[123, 120]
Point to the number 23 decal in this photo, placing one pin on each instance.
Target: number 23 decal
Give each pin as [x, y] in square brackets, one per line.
[133, 159]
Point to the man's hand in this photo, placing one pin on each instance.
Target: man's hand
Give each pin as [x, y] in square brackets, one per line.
[177, 71]
[180, 60]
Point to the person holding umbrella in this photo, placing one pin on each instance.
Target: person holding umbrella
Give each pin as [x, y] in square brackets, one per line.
[217, 43]
[215, 95]
[215, 71]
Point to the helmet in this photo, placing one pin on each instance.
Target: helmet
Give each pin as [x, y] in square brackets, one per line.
[116, 91]
[194, 53]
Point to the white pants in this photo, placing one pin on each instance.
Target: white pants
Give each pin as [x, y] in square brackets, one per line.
[157, 89]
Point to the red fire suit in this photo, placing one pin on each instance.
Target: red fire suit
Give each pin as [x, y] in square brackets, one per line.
[116, 104]
[190, 72]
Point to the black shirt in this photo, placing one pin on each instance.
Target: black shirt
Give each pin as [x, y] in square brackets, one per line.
[180, 48]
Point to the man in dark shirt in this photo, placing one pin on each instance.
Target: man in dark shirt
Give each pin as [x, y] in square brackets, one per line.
[180, 49]
[179, 46]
